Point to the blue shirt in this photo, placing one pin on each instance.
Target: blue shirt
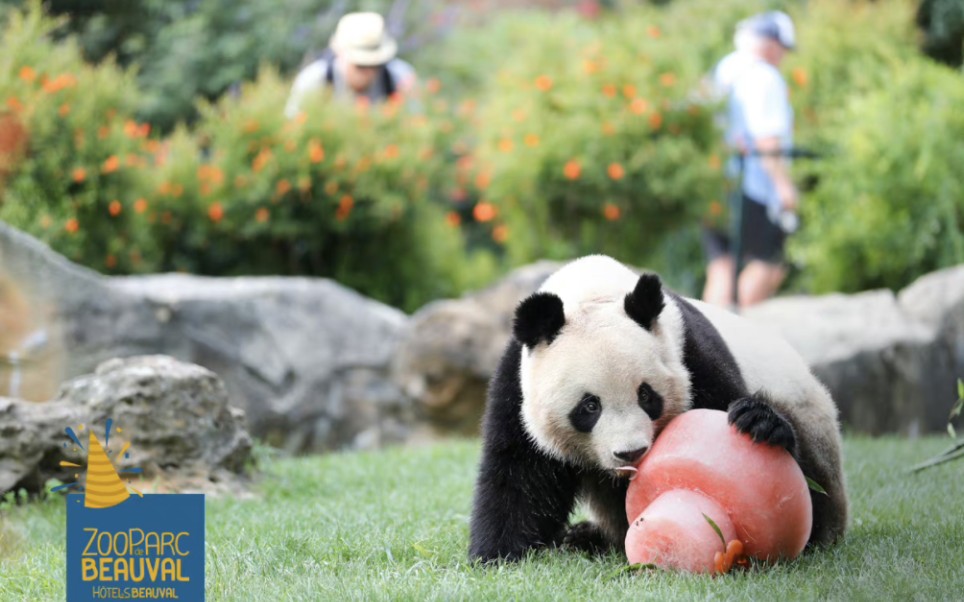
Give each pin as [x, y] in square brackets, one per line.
[758, 107]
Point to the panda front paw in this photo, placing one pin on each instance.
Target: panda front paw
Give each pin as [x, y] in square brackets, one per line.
[586, 537]
[757, 418]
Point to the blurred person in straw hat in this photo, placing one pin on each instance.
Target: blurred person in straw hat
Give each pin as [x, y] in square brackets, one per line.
[361, 64]
[759, 133]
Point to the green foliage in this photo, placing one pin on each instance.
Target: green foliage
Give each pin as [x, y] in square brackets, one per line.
[890, 204]
[589, 137]
[341, 191]
[81, 150]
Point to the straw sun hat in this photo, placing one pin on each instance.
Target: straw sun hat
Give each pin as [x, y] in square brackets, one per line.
[361, 39]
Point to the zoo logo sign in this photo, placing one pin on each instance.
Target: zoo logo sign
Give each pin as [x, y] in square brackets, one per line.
[129, 547]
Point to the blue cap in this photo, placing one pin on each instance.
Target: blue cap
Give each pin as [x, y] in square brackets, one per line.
[775, 25]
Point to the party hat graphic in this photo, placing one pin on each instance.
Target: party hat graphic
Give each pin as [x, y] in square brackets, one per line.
[104, 486]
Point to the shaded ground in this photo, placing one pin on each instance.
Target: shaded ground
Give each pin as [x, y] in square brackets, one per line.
[394, 525]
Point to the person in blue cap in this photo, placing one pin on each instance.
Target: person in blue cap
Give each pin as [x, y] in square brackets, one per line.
[759, 130]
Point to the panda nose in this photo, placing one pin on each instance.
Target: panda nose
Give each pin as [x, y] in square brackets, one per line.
[631, 456]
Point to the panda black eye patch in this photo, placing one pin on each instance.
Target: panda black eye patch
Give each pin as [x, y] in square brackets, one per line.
[650, 401]
[585, 415]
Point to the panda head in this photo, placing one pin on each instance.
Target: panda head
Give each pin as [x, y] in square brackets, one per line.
[599, 383]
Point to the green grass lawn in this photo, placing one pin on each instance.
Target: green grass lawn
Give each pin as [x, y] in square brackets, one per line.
[394, 525]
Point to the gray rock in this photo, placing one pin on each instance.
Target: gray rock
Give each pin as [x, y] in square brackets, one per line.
[307, 359]
[877, 363]
[183, 433]
[451, 348]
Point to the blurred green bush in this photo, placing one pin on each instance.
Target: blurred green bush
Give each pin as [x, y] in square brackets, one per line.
[73, 155]
[532, 137]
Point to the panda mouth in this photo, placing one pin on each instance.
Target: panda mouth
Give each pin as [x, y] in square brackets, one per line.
[626, 471]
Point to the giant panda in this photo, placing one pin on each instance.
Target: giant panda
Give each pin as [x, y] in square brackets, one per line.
[601, 359]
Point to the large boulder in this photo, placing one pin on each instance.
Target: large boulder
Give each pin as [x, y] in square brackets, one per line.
[887, 371]
[306, 358]
[176, 417]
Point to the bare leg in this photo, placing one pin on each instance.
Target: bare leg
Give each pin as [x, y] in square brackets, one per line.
[719, 282]
[759, 281]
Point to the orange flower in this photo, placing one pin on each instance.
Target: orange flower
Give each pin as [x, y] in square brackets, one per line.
[500, 233]
[714, 162]
[177, 191]
[505, 145]
[609, 90]
[140, 205]
[426, 153]
[668, 79]
[344, 207]
[282, 187]
[608, 128]
[590, 66]
[391, 151]
[72, 225]
[800, 77]
[453, 219]
[655, 121]
[572, 170]
[64, 110]
[210, 173]
[262, 215]
[79, 174]
[616, 171]
[654, 32]
[250, 126]
[544, 83]
[483, 180]
[433, 86]
[27, 74]
[484, 212]
[110, 262]
[716, 208]
[639, 106]
[261, 159]
[59, 83]
[519, 115]
[216, 212]
[114, 208]
[111, 164]
[531, 140]
[331, 187]
[102, 132]
[629, 91]
[316, 152]
[14, 104]
[611, 212]
[135, 130]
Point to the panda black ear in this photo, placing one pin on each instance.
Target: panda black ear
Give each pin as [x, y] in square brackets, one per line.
[538, 318]
[646, 302]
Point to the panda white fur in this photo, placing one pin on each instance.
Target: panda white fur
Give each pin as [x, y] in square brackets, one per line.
[601, 359]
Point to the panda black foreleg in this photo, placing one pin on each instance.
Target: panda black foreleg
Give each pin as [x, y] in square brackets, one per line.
[522, 502]
[755, 416]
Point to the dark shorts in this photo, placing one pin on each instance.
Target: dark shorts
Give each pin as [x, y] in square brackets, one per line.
[762, 240]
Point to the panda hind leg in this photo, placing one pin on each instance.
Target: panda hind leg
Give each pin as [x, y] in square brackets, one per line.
[756, 416]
